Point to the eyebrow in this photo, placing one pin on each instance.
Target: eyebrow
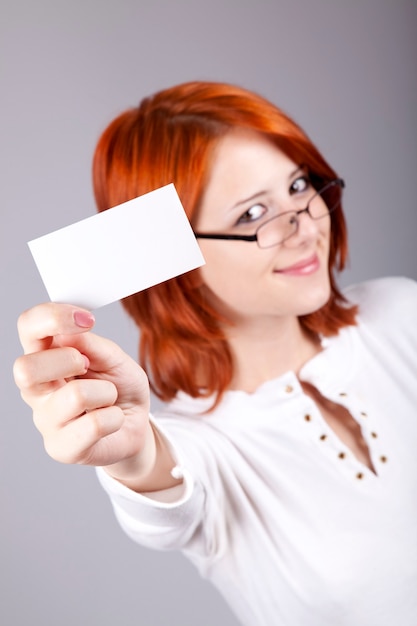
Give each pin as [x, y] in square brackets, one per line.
[261, 193]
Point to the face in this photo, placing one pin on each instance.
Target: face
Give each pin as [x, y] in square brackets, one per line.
[251, 180]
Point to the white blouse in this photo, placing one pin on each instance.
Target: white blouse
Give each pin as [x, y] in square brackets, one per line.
[275, 510]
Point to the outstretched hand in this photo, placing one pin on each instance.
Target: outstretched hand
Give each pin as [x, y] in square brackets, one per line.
[90, 400]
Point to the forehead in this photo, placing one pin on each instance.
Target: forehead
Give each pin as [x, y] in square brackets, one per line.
[243, 163]
[240, 145]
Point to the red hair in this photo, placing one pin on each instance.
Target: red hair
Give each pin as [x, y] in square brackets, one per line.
[169, 138]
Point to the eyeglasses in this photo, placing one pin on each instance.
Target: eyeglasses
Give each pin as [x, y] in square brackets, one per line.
[278, 229]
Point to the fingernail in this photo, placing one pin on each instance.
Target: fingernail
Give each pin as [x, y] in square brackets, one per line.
[86, 362]
[84, 319]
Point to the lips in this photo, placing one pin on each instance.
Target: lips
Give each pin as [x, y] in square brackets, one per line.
[302, 268]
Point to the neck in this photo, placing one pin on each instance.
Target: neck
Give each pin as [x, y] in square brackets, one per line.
[267, 348]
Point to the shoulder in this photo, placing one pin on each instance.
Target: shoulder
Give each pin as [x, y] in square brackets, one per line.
[385, 298]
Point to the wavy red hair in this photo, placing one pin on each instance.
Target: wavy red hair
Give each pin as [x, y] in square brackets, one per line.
[169, 138]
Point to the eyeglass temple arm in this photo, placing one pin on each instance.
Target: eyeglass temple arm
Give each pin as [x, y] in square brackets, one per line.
[227, 237]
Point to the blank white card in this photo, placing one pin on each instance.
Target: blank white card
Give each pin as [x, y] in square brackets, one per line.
[114, 254]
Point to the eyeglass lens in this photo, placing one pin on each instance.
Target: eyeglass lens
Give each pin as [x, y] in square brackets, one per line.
[282, 227]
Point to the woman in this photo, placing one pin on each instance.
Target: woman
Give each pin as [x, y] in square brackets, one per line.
[283, 462]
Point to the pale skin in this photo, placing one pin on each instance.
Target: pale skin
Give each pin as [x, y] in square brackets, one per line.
[90, 400]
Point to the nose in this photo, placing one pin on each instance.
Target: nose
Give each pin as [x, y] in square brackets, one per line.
[307, 229]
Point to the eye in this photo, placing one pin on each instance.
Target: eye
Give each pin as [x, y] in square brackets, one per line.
[251, 215]
[300, 184]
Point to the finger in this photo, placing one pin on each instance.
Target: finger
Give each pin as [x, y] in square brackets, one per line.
[38, 326]
[109, 361]
[37, 369]
[104, 355]
[71, 401]
[79, 441]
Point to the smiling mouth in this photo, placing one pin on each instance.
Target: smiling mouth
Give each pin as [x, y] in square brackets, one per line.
[302, 268]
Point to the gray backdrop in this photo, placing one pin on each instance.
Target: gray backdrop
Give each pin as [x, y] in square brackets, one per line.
[345, 69]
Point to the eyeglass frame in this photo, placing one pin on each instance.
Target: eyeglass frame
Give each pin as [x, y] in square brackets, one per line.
[230, 237]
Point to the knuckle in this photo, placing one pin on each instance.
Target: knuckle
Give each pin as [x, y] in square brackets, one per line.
[21, 321]
[22, 372]
[50, 311]
[76, 395]
[95, 425]
[62, 449]
[52, 449]
[38, 421]
[28, 317]
[46, 318]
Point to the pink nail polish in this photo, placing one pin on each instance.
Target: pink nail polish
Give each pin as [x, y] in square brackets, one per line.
[84, 319]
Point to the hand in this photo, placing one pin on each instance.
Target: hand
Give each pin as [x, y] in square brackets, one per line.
[90, 400]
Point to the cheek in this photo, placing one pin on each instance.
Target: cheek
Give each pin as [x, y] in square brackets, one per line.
[326, 229]
[229, 273]
[218, 273]
[232, 263]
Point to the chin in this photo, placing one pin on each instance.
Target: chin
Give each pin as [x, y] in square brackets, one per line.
[315, 299]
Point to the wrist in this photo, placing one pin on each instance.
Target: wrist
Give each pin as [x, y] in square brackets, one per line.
[148, 470]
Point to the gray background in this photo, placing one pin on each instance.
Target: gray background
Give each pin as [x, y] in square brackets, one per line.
[345, 69]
